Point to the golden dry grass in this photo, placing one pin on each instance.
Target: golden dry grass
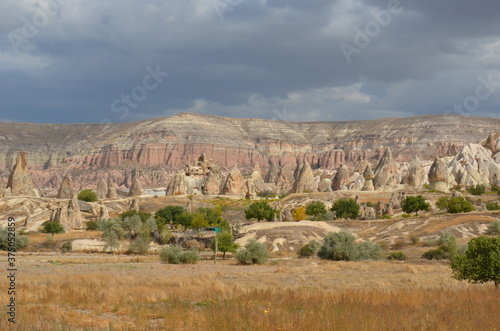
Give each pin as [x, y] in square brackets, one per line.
[68, 293]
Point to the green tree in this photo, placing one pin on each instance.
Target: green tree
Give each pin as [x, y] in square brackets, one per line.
[481, 262]
[316, 209]
[88, 195]
[254, 252]
[345, 208]
[53, 227]
[142, 215]
[260, 210]
[112, 233]
[413, 204]
[173, 215]
[455, 204]
[225, 243]
[204, 217]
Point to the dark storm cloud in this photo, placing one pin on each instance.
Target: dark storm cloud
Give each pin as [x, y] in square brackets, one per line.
[245, 58]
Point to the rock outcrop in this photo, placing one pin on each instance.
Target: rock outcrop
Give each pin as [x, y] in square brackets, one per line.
[235, 183]
[415, 176]
[272, 174]
[386, 170]
[102, 189]
[305, 181]
[437, 175]
[112, 191]
[67, 188]
[368, 175]
[341, 178]
[20, 182]
[136, 187]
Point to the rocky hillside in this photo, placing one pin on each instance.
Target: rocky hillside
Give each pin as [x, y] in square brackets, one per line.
[158, 146]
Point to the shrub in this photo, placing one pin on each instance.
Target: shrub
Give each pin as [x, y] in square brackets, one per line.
[310, 249]
[341, 246]
[481, 262]
[385, 217]
[345, 208]
[406, 216]
[447, 248]
[92, 226]
[414, 239]
[66, 247]
[370, 251]
[254, 252]
[299, 214]
[477, 189]
[436, 254]
[266, 194]
[175, 255]
[494, 228]
[495, 188]
[316, 209]
[455, 204]
[413, 204]
[400, 256]
[88, 196]
[260, 211]
[492, 206]
[20, 242]
[53, 227]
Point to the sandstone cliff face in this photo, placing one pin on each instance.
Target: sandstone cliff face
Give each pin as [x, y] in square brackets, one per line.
[20, 182]
[159, 146]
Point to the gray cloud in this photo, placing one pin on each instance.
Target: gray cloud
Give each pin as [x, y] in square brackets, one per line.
[267, 59]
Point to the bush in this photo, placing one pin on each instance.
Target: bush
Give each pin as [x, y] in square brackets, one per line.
[406, 216]
[481, 262]
[266, 194]
[310, 249]
[455, 204]
[142, 215]
[447, 248]
[316, 209]
[385, 217]
[21, 241]
[175, 255]
[495, 188]
[88, 196]
[299, 214]
[400, 256]
[112, 233]
[254, 252]
[341, 246]
[345, 208]
[92, 226]
[53, 227]
[413, 204]
[477, 189]
[493, 228]
[492, 206]
[436, 254]
[260, 211]
[66, 247]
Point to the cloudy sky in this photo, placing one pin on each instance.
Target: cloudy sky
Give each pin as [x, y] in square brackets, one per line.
[67, 61]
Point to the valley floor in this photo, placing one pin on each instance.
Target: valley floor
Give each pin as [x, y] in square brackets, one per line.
[120, 292]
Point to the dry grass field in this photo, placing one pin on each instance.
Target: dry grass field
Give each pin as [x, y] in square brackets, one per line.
[120, 292]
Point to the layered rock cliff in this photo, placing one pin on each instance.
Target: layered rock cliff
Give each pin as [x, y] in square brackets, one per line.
[159, 146]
